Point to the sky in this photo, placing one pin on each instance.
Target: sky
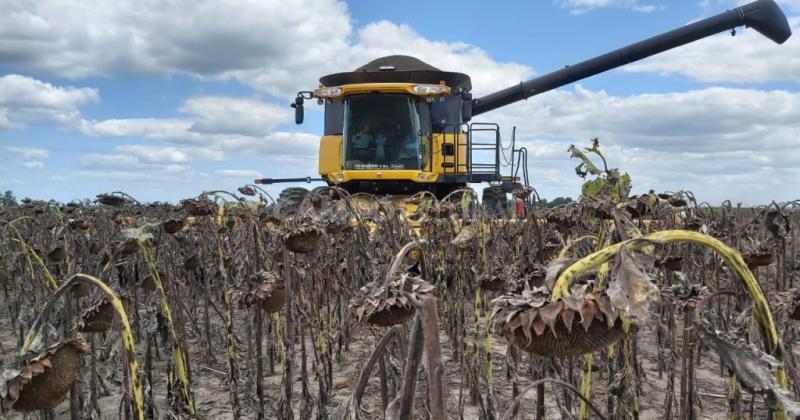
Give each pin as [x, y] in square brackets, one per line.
[166, 99]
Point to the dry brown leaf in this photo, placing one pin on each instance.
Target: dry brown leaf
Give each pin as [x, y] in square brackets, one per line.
[632, 289]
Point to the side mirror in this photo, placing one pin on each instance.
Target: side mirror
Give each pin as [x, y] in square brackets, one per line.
[298, 109]
[466, 107]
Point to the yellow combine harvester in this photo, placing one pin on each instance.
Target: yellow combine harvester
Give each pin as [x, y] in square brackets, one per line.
[397, 126]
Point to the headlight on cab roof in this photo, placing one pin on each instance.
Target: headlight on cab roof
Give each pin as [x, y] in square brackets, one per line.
[431, 90]
[330, 92]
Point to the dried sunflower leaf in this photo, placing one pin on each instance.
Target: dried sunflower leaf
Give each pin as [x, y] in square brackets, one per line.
[632, 289]
[555, 268]
[753, 369]
[573, 302]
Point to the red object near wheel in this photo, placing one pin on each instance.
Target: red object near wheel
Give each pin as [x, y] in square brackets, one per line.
[519, 208]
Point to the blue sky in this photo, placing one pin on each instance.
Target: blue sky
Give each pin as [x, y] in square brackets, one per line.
[105, 96]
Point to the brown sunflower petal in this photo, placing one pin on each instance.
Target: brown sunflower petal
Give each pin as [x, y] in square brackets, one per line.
[568, 315]
[549, 314]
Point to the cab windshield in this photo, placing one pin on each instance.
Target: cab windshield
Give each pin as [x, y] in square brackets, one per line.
[382, 131]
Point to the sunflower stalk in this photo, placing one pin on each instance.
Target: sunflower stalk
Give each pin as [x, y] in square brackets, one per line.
[761, 311]
[166, 312]
[126, 334]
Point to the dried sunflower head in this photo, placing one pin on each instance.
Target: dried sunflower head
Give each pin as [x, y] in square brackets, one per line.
[376, 305]
[301, 236]
[199, 206]
[495, 278]
[686, 295]
[111, 200]
[538, 325]
[43, 381]
[336, 218]
[57, 254]
[467, 236]
[777, 224]
[670, 262]
[78, 224]
[760, 255]
[173, 226]
[98, 317]
[247, 190]
[267, 289]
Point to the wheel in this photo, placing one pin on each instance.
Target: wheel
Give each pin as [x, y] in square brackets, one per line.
[325, 192]
[289, 200]
[494, 202]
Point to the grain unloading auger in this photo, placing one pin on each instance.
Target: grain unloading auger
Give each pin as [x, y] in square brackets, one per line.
[397, 126]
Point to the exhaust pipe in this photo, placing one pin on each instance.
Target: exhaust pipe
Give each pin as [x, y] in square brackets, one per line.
[763, 16]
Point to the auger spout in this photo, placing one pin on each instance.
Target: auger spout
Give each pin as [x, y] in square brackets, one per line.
[763, 15]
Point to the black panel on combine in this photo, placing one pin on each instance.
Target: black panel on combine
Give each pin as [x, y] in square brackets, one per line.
[334, 117]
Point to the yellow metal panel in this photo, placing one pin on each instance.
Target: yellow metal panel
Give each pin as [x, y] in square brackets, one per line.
[407, 88]
[330, 154]
[381, 174]
[439, 139]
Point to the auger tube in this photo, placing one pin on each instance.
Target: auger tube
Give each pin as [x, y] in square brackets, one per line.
[763, 15]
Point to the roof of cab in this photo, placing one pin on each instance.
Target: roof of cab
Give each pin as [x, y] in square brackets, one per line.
[399, 69]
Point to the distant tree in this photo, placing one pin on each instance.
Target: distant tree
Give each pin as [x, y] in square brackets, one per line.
[8, 199]
[556, 201]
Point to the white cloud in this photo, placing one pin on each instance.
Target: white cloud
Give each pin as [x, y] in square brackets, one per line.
[230, 115]
[748, 57]
[24, 100]
[386, 38]
[264, 44]
[216, 129]
[34, 164]
[241, 174]
[29, 153]
[582, 6]
[212, 39]
[105, 160]
[720, 142]
[32, 158]
[155, 154]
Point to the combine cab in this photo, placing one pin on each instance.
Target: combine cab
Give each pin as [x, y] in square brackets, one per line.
[397, 126]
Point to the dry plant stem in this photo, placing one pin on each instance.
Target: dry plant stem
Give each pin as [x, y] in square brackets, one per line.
[229, 338]
[366, 370]
[433, 352]
[402, 406]
[515, 403]
[734, 398]
[177, 351]
[761, 310]
[125, 333]
[259, 336]
[51, 282]
[398, 259]
[288, 338]
[602, 275]
[564, 253]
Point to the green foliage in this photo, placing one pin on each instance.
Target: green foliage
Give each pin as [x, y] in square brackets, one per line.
[607, 183]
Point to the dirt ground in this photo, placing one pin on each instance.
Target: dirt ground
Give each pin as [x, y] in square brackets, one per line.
[211, 393]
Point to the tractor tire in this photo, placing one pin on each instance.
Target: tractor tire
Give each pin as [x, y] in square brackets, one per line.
[495, 202]
[325, 192]
[289, 200]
